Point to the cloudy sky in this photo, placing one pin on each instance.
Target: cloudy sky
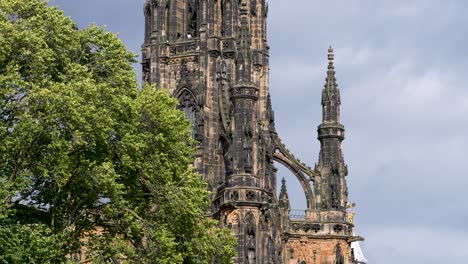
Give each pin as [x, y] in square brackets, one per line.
[402, 66]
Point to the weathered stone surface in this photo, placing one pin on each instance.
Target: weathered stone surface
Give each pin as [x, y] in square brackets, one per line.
[213, 56]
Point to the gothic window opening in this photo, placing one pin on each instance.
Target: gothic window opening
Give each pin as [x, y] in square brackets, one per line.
[188, 106]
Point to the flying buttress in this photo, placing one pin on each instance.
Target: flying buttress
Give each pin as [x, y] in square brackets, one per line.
[304, 173]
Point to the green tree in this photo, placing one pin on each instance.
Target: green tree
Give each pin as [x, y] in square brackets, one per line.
[86, 159]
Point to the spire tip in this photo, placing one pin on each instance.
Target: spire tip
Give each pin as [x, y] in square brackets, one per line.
[331, 55]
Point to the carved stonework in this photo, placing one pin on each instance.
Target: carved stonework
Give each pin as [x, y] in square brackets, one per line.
[232, 220]
[185, 75]
[214, 58]
[250, 196]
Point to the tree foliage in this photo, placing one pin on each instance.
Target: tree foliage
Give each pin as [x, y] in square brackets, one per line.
[86, 159]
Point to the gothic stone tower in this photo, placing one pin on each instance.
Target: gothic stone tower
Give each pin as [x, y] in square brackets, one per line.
[214, 57]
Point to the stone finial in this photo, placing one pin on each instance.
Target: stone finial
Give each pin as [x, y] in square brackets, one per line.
[330, 83]
[331, 56]
[283, 185]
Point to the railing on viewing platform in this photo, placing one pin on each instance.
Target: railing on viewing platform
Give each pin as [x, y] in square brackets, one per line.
[297, 215]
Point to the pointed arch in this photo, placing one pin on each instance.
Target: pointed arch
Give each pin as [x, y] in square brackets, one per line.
[179, 92]
[303, 180]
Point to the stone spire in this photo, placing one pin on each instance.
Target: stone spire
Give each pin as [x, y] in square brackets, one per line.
[331, 94]
[331, 132]
[332, 188]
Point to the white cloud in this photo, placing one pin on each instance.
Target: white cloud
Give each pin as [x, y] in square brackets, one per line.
[408, 89]
[394, 244]
[355, 56]
[293, 75]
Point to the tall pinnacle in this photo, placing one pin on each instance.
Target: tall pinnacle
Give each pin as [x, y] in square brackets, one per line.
[330, 132]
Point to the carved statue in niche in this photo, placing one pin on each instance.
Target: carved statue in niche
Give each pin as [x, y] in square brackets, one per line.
[250, 238]
[221, 68]
[335, 170]
[223, 93]
[335, 199]
[248, 141]
[192, 28]
[227, 155]
[228, 163]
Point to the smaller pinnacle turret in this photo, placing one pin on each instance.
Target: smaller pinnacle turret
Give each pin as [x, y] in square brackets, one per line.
[284, 198]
